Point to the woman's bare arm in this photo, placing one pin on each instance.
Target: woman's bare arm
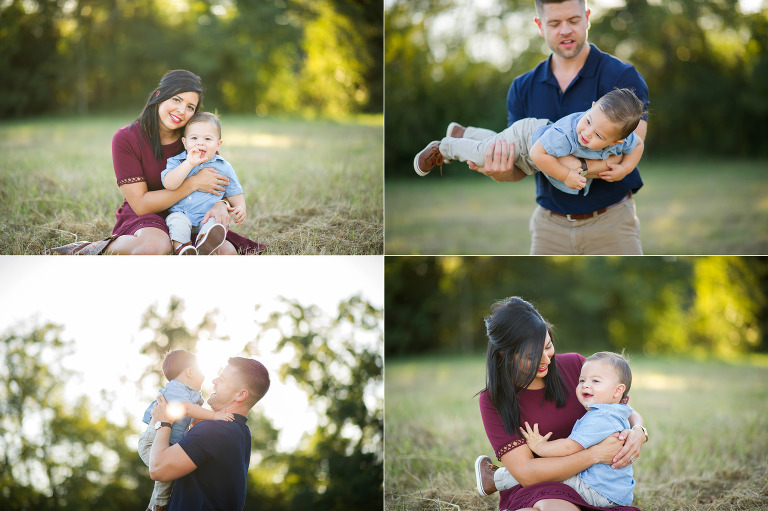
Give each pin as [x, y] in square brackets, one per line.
[142, 201]
[529, 470]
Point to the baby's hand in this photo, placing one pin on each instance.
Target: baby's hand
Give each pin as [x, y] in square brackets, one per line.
[532, 436]
[194, 157]
[617, 172]
[575, 180]
[239, 214]
[223, 416]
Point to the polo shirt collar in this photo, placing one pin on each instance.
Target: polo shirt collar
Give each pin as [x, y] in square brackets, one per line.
[588, 70]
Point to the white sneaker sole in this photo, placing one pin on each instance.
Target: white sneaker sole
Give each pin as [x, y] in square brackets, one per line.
[211, 240]
[479, 475]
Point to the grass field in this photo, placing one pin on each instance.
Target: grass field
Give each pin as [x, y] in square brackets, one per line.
[707, 207]
[311, 187]
[706, 420]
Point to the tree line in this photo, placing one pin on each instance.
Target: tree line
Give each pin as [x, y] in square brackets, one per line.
[705, 63]
[306, 57]
[716, 306]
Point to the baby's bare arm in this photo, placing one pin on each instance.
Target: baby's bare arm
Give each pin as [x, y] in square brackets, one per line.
[200, 413]
[540, 445]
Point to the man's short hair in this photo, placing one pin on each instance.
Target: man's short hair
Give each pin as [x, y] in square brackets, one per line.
[540, 5]
[254, 376]
[176, 361]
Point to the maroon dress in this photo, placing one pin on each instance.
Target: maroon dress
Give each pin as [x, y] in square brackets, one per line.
[560, 421]
[135, 162]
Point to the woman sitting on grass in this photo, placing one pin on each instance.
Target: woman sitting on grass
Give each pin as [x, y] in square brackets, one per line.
[527, 382]
[139, 154]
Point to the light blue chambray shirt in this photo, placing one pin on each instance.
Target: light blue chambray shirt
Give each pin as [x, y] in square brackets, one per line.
[601, 421]
[178, 392]
[560, 139]
[197, 204]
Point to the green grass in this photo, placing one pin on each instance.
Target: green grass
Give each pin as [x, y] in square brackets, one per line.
[311, 187]
[706, 207]
[707, 423]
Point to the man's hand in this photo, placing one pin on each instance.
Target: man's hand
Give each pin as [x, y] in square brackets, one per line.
[160, 411]
[499, 162]
[533, 438]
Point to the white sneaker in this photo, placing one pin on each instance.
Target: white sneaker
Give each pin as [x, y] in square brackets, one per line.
[210, 240]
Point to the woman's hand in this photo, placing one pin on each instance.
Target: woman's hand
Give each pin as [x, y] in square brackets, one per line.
[633, 442]
[220, 212]
[605, 451]
[209, 181]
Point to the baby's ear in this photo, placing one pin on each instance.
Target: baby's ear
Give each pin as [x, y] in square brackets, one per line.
[620, 390]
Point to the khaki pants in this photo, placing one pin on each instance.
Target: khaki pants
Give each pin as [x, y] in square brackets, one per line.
[615, 232]
[475, 142]
[161, 495]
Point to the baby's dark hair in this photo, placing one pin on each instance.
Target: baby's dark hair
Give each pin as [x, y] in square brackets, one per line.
[204, 117]
[176, 361]
[620, 365]
[623, 108]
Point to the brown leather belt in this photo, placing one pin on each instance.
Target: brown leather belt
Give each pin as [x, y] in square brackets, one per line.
[584, 216]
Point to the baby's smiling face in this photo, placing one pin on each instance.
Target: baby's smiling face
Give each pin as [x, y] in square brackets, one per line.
[203, 136]
[599, 383]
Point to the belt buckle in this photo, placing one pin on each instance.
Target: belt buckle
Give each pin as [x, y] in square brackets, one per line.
[568, 216]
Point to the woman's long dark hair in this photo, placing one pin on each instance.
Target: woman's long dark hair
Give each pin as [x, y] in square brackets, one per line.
[516, 336]
[172, 83]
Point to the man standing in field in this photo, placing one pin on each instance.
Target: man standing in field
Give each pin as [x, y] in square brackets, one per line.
[210, 464]
[577, 73]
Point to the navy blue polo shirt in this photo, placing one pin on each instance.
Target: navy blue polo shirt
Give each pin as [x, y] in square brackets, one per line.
[537, 94]
[221, 451]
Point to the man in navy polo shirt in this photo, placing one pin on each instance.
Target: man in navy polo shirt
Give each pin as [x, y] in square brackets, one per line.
[210, 464]
[576, 74]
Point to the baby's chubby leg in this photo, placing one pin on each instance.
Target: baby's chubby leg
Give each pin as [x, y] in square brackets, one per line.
[468, 149]
[503, 479]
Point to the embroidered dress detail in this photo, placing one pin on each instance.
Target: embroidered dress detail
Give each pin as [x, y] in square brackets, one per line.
[509, 447]
[130, 180]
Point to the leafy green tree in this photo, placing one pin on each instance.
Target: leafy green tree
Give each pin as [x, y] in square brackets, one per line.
[57, 455]
[338, 363]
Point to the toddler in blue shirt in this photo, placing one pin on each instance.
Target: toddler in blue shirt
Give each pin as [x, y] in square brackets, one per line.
[183, 393]
[605, 129]
[202, 138]
[604, 381]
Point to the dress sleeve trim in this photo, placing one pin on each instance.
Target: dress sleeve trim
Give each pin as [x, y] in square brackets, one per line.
[504, 449]
[130, 180]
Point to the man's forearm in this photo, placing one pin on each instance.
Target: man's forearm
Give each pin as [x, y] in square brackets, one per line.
[161, 443]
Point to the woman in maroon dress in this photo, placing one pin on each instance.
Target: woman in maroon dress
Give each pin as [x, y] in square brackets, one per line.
[139, 154]
[527, 382]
